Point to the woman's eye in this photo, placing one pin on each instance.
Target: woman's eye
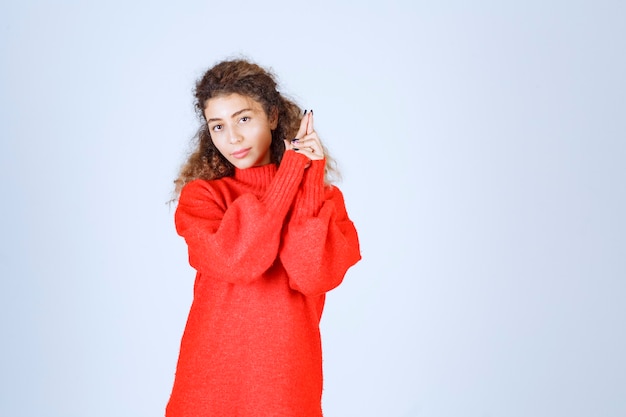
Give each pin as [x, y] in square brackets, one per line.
[245, 118]
[216, 128]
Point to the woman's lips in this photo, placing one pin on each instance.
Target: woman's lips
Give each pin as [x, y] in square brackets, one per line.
[241, 153]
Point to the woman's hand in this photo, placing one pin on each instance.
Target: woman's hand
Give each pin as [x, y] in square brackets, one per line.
[306, 141]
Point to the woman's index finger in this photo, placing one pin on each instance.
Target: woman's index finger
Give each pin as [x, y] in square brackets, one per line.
[309, 127]
[302, 131]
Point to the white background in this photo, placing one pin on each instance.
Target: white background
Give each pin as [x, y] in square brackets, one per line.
[483, 153]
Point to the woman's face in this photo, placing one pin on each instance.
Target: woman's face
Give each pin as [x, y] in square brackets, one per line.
[240, 129]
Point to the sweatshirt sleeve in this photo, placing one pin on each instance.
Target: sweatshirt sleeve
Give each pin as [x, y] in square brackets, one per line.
[240, 242]
[320, 242]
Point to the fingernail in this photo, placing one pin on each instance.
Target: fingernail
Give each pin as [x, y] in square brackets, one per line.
[305, 112]
[295, 140]
[296, 149]
[311, 111]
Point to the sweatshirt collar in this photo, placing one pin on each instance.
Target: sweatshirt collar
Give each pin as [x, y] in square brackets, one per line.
[257, 176]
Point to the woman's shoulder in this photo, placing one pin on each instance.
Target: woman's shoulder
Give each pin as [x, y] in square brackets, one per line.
[197, 186]
[204, 184]
[201, 189]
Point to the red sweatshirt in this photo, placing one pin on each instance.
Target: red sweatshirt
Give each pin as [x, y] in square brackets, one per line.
[267, 245]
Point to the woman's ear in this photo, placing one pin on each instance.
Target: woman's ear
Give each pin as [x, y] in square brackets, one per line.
[274, 118]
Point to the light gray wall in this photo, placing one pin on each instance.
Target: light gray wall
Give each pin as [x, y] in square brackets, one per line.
[483, 153]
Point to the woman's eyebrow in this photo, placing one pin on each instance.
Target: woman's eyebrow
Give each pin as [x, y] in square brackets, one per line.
[235, 114]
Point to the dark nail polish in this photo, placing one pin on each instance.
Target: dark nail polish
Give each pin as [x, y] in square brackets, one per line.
[305, 112]
[311, 111]
[296, 149]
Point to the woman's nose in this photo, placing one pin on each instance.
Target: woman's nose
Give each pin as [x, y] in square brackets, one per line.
[235, 137]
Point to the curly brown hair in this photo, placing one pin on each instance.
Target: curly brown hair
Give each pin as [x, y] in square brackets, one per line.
[251, 80]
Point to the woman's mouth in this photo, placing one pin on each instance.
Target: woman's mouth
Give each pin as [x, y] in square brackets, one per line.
[241, 153]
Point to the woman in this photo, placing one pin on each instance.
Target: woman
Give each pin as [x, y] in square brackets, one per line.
[268, 236]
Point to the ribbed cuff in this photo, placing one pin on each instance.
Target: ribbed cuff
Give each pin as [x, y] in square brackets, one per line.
[311, 198]
[284, 186]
